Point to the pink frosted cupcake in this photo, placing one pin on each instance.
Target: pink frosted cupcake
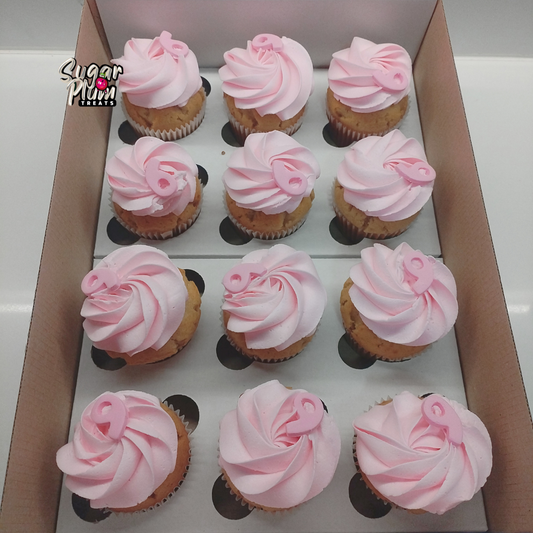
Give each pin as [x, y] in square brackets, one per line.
[273, 303]
[397, 302]
[266, 86]
[129, 452]
[279, 448]
[269, 185]
[139, 306]
[368, 90]
[422, 454]
[381, 186]
[161, 87]
[156, 192]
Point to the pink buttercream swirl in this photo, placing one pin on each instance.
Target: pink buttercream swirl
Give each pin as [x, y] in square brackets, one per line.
[387, 177]
[272, 173]
[279, 306]
[152, 177]
[135, 300]
[157, 77]
[273, 76]
[369, 77]
[399, 305]
[268, 466]
[413, 463]
[120, 471]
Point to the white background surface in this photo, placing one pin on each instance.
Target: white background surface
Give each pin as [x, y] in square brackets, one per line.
[497, 96]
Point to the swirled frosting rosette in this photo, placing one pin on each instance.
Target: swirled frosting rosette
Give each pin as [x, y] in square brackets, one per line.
[426, 454]
[279, 448]
[136, 300]
[369, 77]
[272, 75]
[152, 177]
[155, 190]
[404, 296]
[123, 449]
[386, 177]
[158, 73]
[272, 173]
[273, 302]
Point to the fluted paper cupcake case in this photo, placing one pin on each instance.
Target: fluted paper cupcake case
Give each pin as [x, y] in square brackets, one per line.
[168, 135]
[241, 132]
[158, 236]
[345, 136]
[355, 234]
[266, 236]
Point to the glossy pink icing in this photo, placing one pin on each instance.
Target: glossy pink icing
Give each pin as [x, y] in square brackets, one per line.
[135, 300]
[413, 463]
[266, 465]
[123, 470]
[270, 78]
[391, 303]
[156, 77]
[364, 76]
[282, 305]
[386, 177]
[271, 173]
[152, 177]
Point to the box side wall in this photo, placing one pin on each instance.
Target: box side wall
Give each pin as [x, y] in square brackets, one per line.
[489, 360]
[314, 24]
[42, 419]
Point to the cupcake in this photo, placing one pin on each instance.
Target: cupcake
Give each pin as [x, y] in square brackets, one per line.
[156, 192]
[279, 448]
[397, 302]
[273, 303]
[269, 185]
[266, 86]
[381, 186]
[368, 87]
[139, 306]
[161, 87]
[422, 454]
[128, 453]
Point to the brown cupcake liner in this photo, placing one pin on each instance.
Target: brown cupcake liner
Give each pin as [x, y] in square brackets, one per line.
[266, 236]
[241, 132]
[181, 228]
[345, 136]
[168, 135]
[356, 234]
[253, 506]
[365, 353]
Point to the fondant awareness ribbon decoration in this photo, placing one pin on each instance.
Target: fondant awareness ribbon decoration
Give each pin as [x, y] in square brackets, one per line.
[421, 173]
[420, 267]
[288, 179]
[109, 408]
[267, 41]
[161, 182]
[99, 279]
[438, 412]
[240, 276]
[392, 80]
[172, 46]
[310, 410]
